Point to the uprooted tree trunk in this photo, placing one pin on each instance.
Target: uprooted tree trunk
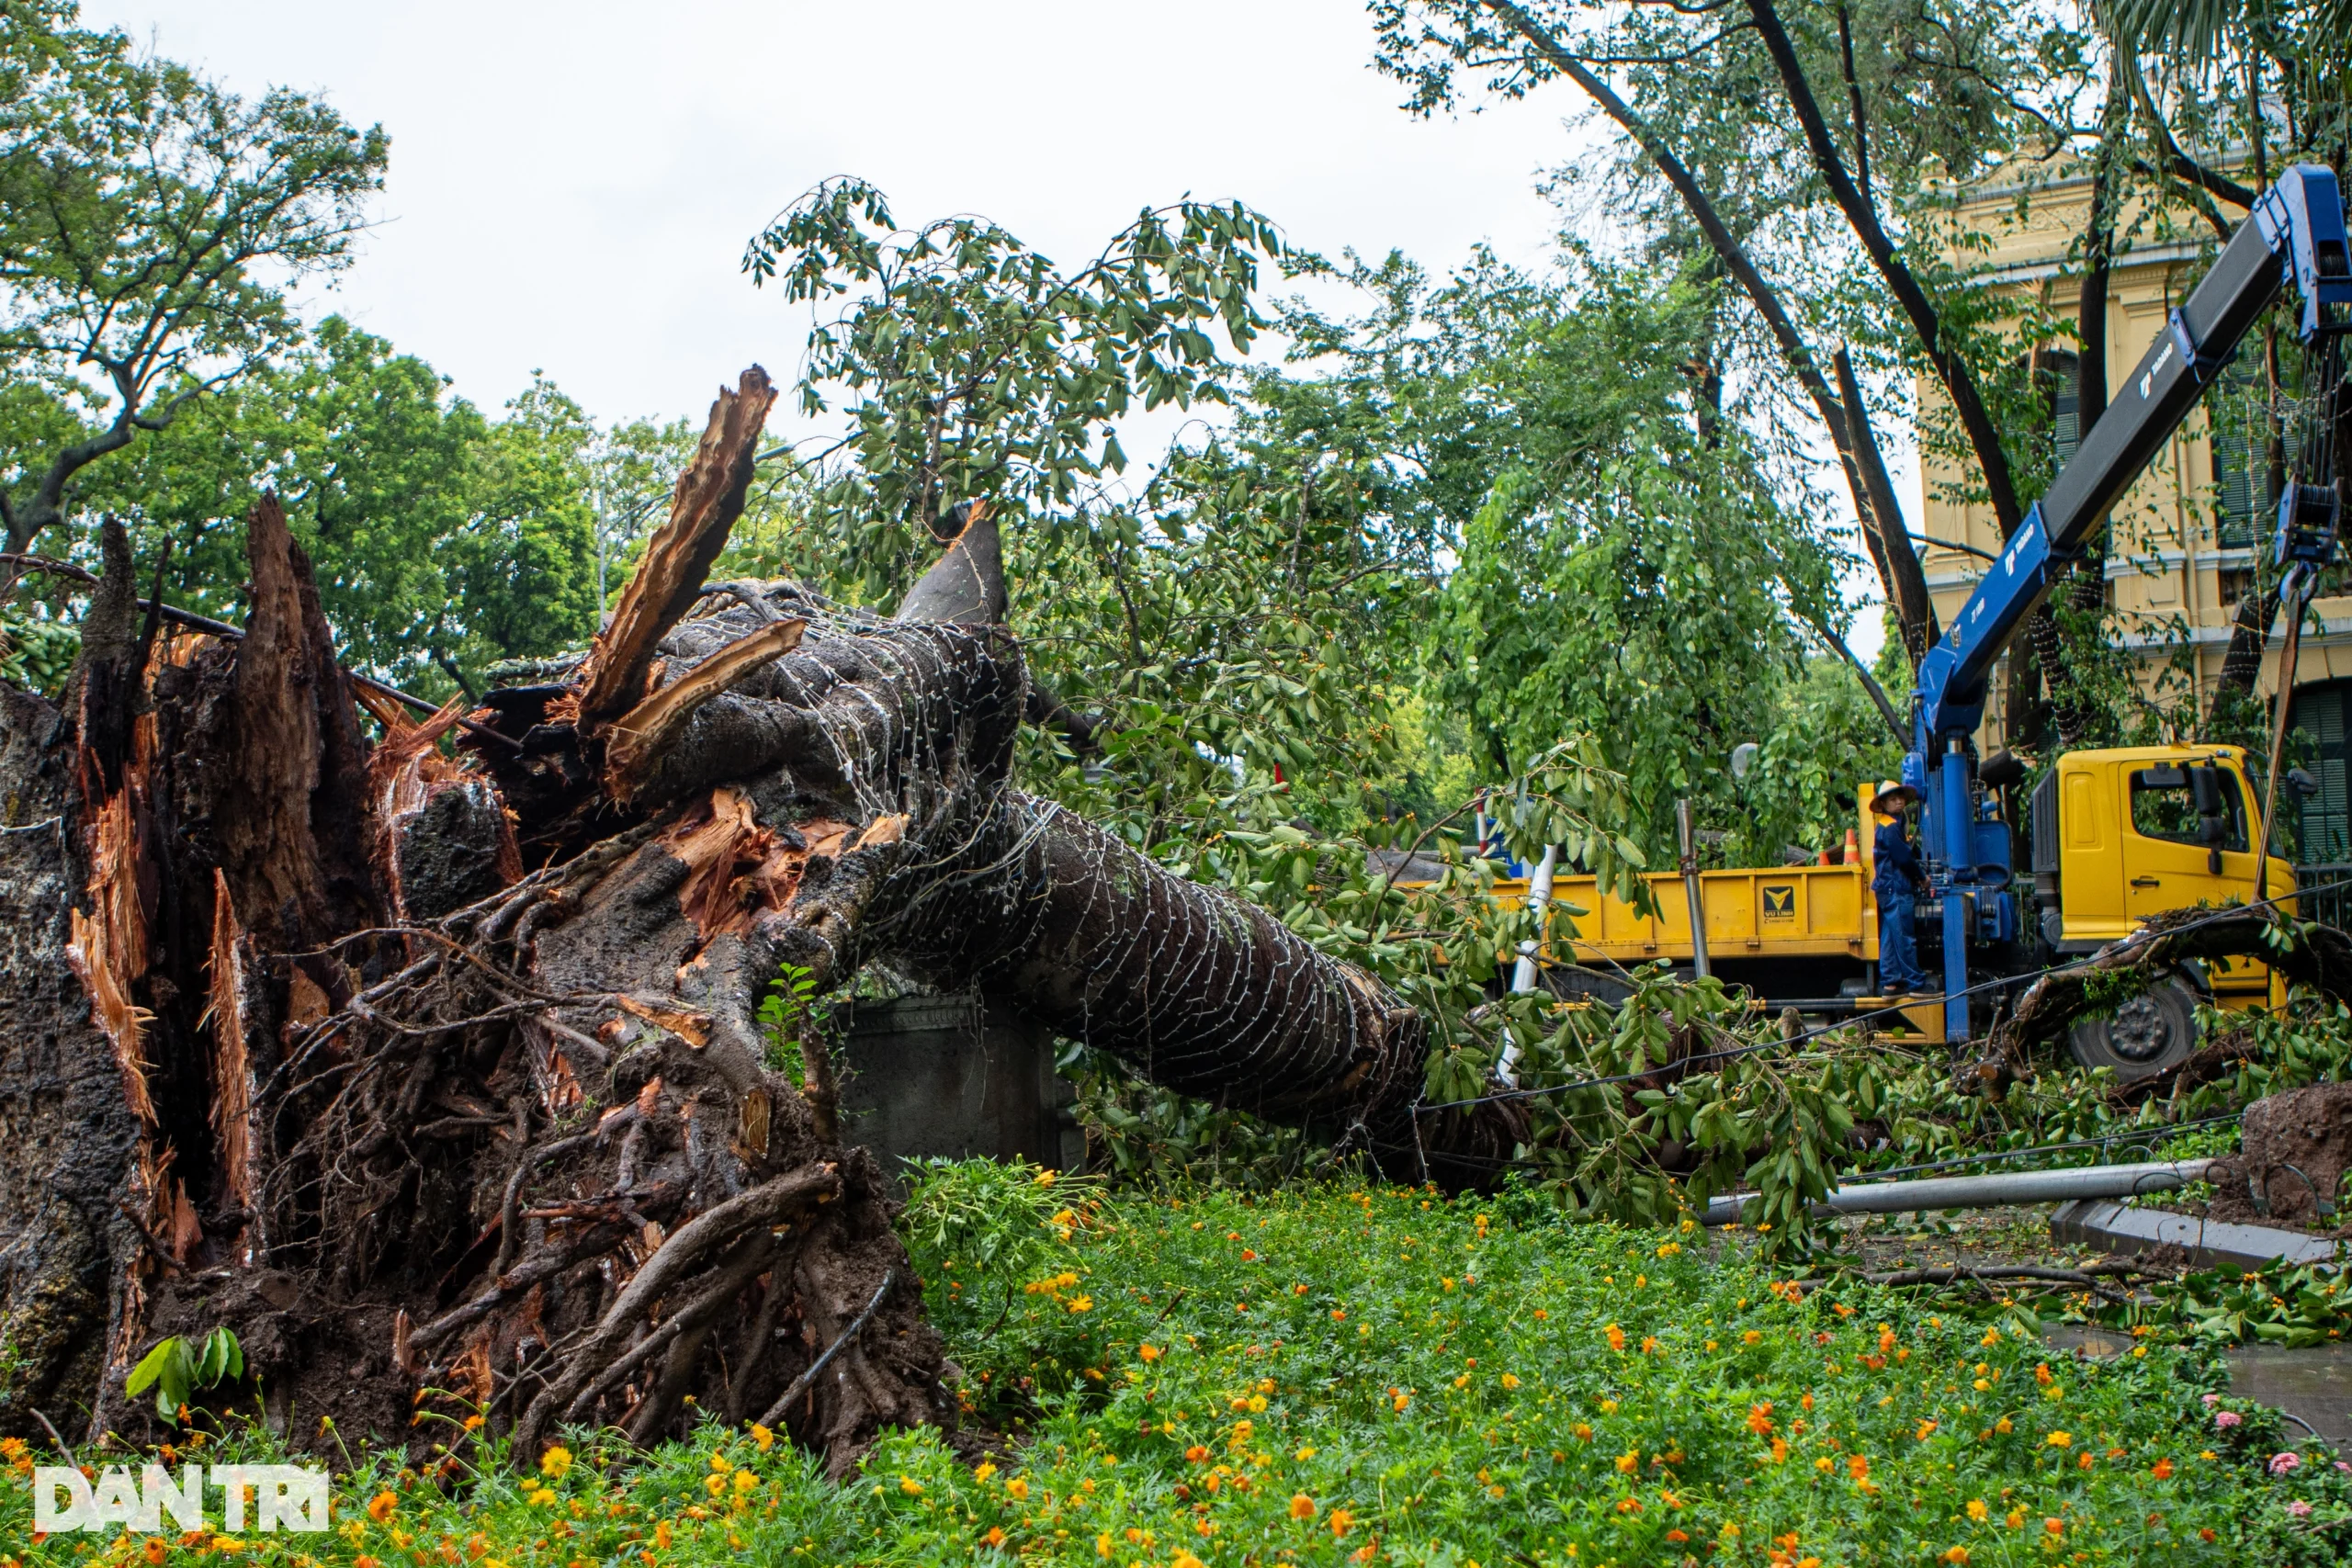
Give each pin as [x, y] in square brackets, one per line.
[439, 1070]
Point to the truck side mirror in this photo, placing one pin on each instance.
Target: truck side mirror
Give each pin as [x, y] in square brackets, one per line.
[2301, 785]
[2205, 787]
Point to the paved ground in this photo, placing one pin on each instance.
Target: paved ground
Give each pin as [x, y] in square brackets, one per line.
[2313, 1386]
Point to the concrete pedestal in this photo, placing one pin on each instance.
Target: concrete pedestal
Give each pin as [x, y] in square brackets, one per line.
[946, 1076]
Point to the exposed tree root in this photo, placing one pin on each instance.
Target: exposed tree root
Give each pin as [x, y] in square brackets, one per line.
[438, 1075]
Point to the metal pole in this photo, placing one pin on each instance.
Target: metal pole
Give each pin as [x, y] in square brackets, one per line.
[1522, 979]
[1937, 1192]
[2291, 594]
[1690, 887]
[1539, 898]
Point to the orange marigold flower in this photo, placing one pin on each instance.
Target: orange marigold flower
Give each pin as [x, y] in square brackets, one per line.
[1339, 1521]
[380, 1506]
[2161, 1470]
[1759, 1419]
[995, 1536]
[1150, 1352]
[1616, 1337]
[1629, 1505]
[1197, 1454]
[1629, 1461]
[1649, 1345]
[1858, 1466]
[1301, 1506]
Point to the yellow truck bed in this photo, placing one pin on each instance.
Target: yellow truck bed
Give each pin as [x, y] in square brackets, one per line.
[1795, 911]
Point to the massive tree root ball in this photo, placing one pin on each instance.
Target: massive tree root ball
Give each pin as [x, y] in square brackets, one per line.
[429, 1063]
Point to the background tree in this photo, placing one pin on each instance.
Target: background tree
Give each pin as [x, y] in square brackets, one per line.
[150, 223]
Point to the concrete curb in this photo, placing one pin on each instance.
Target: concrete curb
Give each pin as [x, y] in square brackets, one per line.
[2127, 1232]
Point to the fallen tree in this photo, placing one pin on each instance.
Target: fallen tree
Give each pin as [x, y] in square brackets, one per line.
[430, 1065]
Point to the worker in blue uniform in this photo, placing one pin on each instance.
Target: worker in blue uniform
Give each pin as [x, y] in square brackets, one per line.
[1896, 880]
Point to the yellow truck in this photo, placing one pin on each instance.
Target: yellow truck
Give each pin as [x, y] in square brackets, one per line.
[2117, 836]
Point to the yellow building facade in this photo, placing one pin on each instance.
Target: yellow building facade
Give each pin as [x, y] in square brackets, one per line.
[2183, 547]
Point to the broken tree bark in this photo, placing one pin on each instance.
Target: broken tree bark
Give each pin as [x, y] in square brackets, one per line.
[434, 1071]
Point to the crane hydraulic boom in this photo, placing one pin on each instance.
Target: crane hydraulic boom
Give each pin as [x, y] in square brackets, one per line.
[2295, 234]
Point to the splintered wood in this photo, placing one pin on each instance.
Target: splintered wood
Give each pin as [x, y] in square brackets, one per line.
[640, 736]
[737, 869]
[678, 557]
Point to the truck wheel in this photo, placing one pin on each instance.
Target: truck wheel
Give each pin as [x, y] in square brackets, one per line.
[2156, 1030]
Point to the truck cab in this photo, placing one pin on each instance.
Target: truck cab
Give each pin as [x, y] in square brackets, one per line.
[2123, 833]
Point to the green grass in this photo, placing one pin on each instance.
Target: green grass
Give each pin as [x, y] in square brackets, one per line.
[1387, 1377]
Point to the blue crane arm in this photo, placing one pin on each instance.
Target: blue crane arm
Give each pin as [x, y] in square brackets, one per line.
[2296, 231]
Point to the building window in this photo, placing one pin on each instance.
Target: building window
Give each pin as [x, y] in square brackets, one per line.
[2244, 499]
[2057, 377]
[2065, 373]
[2325, 821]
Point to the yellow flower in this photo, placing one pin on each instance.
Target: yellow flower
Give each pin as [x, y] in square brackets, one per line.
[910, 1486]
[1824, 1464]
[763, 1437]
[1044, 1178]
[1511, 1380]
[1186, 1559]
[1751, 1338]
[714, 1484]
[1669, 1250]
[720, 1464]
[555, 1463]
[1102, 1544]
[1301, 1506]
[2003, 1427]
[1629, 1461]
[1017, 1487]
[2059, 1440]
[1925, 1428]
[2016, 1519]
[1977, 1510]
[745, 1481]
[1081, 1304]
[987, 1468]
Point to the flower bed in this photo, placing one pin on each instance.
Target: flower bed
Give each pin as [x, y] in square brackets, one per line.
[1335, 1376]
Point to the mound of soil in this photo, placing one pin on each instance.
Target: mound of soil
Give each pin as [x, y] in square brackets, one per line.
[2295, 1150]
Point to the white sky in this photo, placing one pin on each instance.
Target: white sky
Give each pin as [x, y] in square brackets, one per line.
[571, 185]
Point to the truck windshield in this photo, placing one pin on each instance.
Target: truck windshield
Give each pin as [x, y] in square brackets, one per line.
[2163, 806]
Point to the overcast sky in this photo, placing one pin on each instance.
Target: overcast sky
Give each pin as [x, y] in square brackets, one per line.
[571, 185]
